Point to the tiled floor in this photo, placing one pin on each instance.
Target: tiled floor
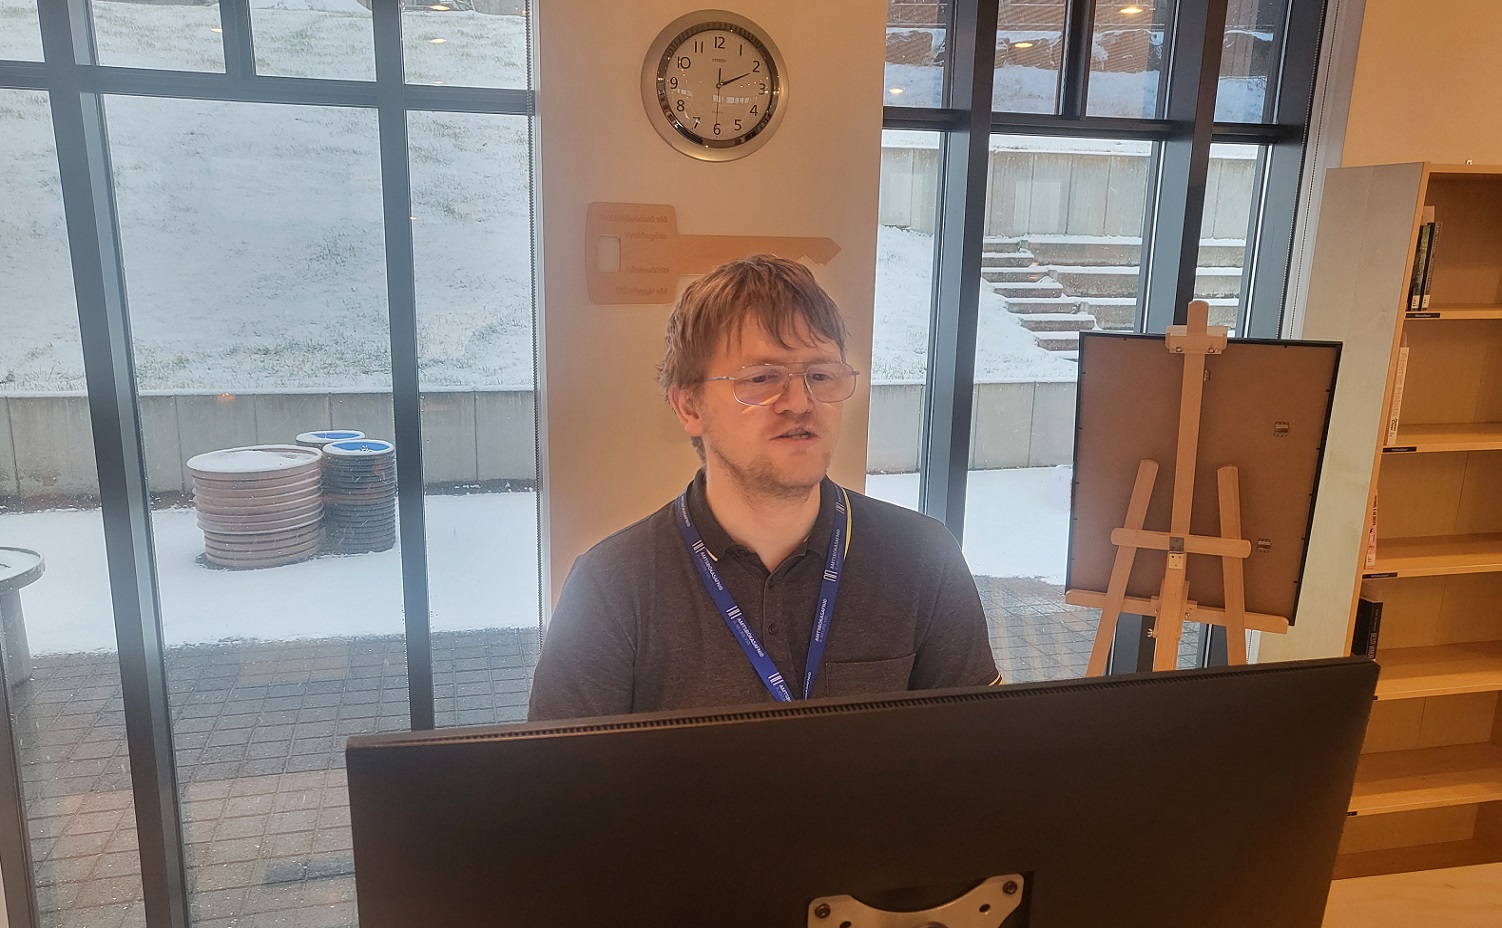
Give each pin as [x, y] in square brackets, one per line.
[259, 730]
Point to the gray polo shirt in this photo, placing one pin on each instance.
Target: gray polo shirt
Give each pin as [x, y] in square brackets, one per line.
[635, 630]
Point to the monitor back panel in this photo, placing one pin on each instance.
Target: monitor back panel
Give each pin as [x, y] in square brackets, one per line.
[1184, 799]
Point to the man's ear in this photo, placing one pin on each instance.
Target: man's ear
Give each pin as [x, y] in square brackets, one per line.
[685, 402]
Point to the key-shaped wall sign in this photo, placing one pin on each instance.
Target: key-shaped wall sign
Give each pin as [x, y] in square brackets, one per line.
[634, 252]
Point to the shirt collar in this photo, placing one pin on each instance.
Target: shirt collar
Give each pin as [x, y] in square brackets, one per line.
[718, 541]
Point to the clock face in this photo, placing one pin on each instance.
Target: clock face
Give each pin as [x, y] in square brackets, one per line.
[713, 85]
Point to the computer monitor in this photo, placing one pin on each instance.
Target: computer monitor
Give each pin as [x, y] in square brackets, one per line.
[1202, 799]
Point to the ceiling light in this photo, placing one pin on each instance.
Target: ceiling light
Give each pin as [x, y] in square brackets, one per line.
[216, 29]
[1131, 10]
[437, 41]
[1022, 45]
[895, 91]
[440, 7]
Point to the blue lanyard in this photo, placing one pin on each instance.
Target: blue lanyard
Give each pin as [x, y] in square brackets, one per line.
[839, 541]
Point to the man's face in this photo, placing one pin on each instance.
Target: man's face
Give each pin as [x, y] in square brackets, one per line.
[779, 450]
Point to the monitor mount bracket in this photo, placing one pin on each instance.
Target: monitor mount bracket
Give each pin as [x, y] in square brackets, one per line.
[985, 906]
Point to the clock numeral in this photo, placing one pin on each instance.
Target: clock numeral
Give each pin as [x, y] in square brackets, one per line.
[763, 89]
[673, 82]
[719, 41]
[742, 52]
[684, 61]
[716, 128]
[753, 110]
[756, 67]
[698, 45]
[737, 125]
[680, 106]
[696, 122]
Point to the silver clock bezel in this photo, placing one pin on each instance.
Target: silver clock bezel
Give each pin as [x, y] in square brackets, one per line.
[654, 87]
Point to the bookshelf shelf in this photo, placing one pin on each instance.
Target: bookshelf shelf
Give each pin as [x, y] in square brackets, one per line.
[1421, 857]
[1443, 670]
[1437, 556]
[1427, 778]
[1455, 312]
[1447, 437]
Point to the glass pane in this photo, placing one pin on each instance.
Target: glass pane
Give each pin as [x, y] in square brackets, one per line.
[57, 628]
[904, 307]
[476, 43]
[1029, 54]
[146, 34]
[1253, 30]
[1127, 68]
[295, 38]
[254, 251]
[1229, 189]
[20, 35]
[471, 203]
[916, 52]
[1062, 256]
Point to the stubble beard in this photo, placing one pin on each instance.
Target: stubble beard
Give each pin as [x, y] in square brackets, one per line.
[760, 480]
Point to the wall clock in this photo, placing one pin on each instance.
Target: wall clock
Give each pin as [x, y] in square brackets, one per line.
[714, 85]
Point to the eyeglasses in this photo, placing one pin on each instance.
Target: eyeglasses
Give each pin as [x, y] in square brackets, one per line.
[763, 384]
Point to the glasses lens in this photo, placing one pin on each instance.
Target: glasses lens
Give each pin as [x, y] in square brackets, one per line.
[757, 386]
[830, 383]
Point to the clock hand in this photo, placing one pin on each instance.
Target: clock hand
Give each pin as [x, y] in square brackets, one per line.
[732, 80]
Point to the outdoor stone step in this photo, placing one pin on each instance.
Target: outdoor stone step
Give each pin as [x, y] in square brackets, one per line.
[1042, 304]
[1008, 259]
[1000, 244]
[1209, 282]
[997, 275]
[1029, 288]
[1120, 313]
[1057, 322]
[1108, 250]
[1058, 341]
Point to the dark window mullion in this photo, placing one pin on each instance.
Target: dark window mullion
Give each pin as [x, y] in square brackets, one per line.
[1079, 38]
[239, 38]
[949, 397]
[23, 75]
[406, 396]
[104, 333]
[1268, 277]
[1184, 163]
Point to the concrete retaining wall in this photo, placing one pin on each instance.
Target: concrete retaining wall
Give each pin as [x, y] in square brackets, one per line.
[469, 436]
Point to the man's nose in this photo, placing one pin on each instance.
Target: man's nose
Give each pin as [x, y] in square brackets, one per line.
[796, 397]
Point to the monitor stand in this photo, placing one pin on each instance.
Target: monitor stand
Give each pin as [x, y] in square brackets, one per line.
[985, 906]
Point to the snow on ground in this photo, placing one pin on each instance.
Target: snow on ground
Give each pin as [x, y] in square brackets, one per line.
[482, 567]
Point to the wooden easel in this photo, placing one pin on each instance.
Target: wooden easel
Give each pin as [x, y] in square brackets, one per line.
[1172, 606]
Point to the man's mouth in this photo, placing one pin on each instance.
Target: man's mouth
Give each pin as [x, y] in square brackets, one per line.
[798, 434]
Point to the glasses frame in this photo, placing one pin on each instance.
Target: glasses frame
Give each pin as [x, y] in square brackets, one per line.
[736, 378]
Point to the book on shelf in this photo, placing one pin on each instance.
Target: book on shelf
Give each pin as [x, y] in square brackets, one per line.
[1368, 621]
[1371, 535]
[1400, 373]
[1423, 263]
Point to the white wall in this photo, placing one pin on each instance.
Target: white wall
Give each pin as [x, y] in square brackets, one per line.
[614, 451]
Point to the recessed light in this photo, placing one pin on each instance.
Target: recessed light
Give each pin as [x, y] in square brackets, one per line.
[440, 7]
[1022, 45]
[1131, 10]
[895, 91]
[437, 41]
[216, 29]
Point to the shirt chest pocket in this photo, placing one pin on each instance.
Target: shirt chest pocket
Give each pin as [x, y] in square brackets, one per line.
[867, 678]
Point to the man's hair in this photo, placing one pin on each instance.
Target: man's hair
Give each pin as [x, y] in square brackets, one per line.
[779, 294]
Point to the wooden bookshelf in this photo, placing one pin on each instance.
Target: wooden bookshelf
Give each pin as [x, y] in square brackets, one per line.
[1447, 438]
[1441, 670]
[1428, 790]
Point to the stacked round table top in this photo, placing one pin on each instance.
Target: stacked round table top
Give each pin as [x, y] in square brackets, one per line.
[259, 506]
[321, 438]
[359, 495]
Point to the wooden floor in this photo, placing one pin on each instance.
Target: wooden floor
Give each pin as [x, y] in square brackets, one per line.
[1462, 897]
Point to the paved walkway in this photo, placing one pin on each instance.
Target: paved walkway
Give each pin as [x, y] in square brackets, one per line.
[259, 731]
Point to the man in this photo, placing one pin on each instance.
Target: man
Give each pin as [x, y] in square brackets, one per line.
[765, 580]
